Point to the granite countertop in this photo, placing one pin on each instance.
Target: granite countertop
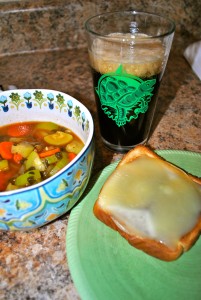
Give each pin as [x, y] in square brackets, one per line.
[33, 265]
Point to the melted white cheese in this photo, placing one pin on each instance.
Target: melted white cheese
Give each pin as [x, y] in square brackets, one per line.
[148, 198]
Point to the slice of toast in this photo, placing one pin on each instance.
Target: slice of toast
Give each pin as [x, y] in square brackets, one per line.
[153, 204]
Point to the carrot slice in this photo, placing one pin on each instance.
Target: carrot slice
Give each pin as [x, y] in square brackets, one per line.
[71, 155]
[17, 157]
[16, 130]
[49, 152]
[5, 150]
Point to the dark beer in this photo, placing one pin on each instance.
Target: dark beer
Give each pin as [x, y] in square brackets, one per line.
[126, 89]
[132, 133]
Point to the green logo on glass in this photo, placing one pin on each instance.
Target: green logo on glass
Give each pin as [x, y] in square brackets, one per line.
[123, 96]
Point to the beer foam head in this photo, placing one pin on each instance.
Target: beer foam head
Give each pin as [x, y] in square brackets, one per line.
[139, 54]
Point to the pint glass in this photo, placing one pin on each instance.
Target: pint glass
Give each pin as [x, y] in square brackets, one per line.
[128, 52]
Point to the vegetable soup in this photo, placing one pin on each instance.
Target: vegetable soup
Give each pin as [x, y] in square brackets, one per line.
[33, 151]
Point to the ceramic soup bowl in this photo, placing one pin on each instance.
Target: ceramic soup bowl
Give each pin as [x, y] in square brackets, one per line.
[37, 205]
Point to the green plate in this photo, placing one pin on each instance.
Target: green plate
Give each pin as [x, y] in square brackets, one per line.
[104, 266]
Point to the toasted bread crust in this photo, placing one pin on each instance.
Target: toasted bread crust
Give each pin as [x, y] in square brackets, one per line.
[150, 246]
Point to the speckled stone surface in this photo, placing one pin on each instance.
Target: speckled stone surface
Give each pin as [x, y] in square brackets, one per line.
[45, 24]
[33, 265]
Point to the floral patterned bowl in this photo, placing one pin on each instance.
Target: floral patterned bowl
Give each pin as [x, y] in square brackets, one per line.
[34, 206]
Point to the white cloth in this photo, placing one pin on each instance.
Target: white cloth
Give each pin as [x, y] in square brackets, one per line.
[193, 56]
